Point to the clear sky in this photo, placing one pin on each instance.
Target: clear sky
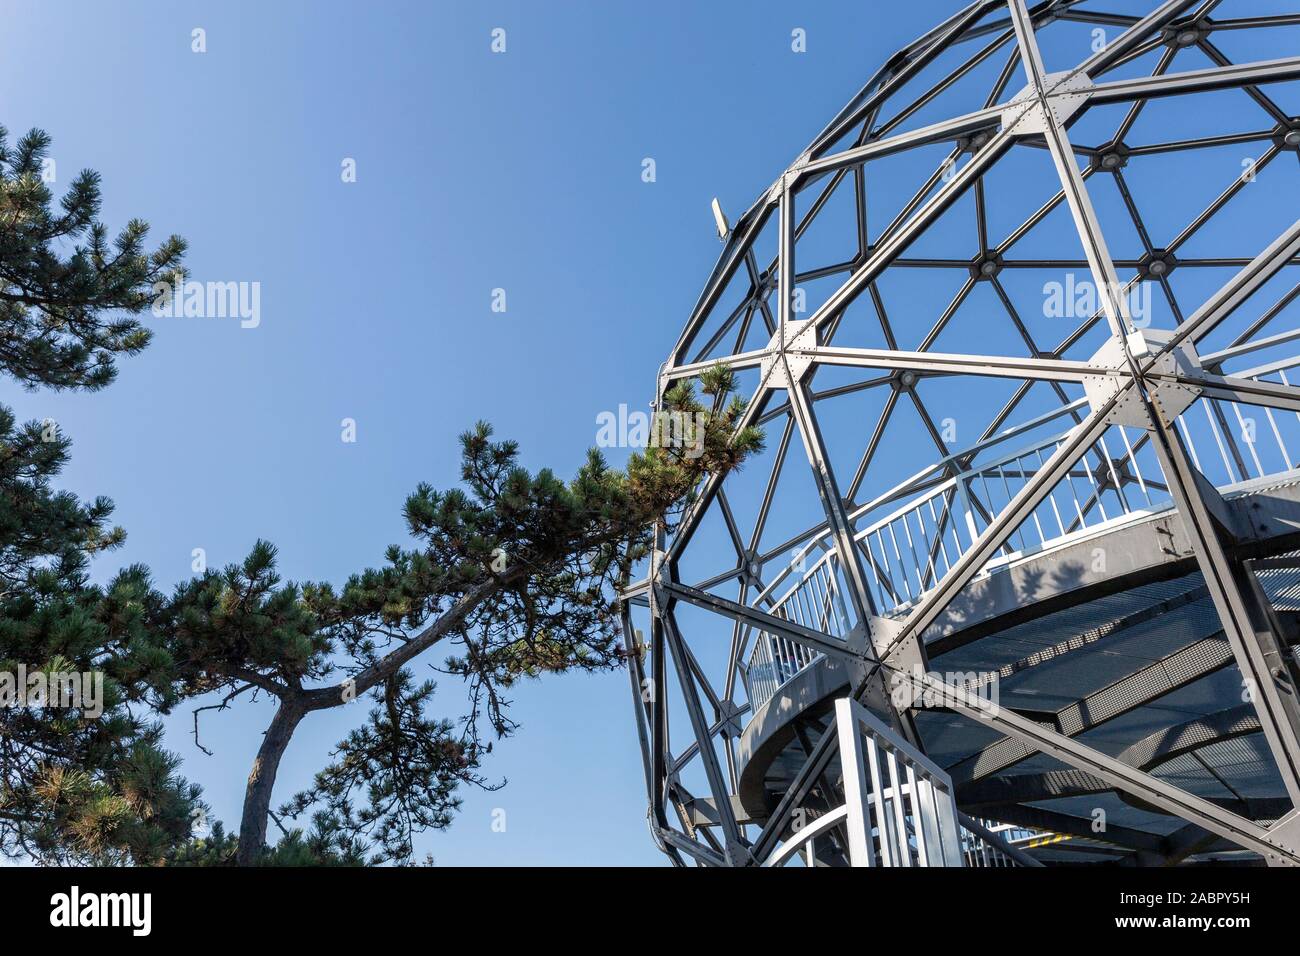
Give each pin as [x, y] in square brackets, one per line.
[474, 171]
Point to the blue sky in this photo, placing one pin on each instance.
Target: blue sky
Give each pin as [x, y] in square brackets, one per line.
[475, 171]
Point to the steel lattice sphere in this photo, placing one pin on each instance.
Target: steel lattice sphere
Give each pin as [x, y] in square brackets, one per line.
[1009, 583]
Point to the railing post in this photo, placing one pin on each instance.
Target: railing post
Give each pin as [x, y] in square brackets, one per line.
[855, 785]
[963, 494]
[949, 830]
[927, 808]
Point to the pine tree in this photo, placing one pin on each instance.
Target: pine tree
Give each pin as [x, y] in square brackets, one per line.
[75, 787]
[69, 295]
[514, 573]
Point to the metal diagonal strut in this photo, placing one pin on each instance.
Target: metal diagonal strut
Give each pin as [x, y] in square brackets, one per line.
[1244, 622]
[1204, 813]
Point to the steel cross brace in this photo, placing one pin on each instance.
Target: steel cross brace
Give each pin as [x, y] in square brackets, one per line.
[1120, 775]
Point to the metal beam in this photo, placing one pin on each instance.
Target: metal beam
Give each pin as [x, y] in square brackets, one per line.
[1114, 305]
[1196, 81]
[1110, 770]
[736, 845]
[792, 630]
[1244, 623]
[1123, 696]
[1239, 288]
[1133, 37]
[1005, 366]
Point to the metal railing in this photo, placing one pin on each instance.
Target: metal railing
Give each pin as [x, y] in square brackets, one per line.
[978, 851]
[908, 550]
[774, 661]
[898, 808]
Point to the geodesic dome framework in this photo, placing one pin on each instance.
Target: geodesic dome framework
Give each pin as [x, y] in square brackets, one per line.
[1022, 308]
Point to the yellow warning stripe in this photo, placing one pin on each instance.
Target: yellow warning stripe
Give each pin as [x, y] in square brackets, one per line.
[1049, 840]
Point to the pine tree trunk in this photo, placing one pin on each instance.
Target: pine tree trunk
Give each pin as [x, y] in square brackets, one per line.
[257, 797]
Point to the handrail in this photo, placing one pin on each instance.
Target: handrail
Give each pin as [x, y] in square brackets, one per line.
[907, 551]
